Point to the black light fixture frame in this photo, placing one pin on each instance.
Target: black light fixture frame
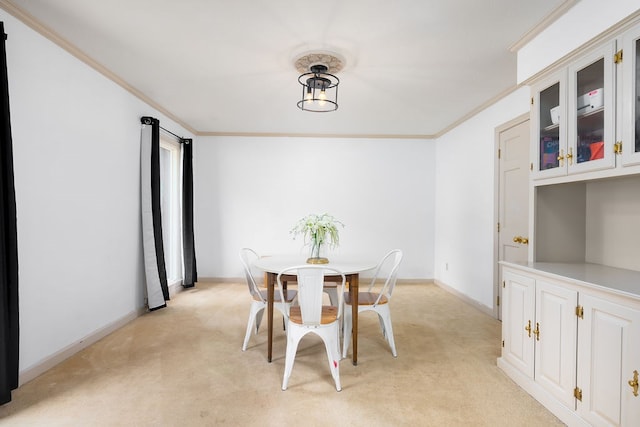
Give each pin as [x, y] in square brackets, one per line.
[319, 90]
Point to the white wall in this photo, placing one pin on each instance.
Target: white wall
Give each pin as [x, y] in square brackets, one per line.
[465, 199]
[583, 22]
[252, 191]
[76, 142]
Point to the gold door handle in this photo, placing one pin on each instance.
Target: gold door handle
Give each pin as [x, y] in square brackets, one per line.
[560, 158]
[634, 383]
[520, 239]
[537, 331]
[528, 328]
[569, 156]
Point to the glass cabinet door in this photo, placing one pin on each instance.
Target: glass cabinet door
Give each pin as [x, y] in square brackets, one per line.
[548, 128]
[631, 97]
[591, 112]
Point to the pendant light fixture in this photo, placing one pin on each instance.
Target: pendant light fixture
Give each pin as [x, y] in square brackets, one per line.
[319, 86]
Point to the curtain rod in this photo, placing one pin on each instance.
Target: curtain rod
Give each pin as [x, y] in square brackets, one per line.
[146, 120]
[180, 139]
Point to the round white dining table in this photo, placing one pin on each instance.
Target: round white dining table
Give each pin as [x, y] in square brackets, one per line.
[351, 268]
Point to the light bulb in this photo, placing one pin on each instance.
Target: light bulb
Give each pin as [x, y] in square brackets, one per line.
[322, 98]
[308, 96]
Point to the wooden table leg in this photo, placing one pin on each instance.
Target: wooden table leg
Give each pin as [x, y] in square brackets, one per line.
[270, 279]
[353, 290]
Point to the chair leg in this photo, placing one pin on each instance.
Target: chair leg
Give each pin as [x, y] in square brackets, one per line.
[294, 336]
[259, 314]
[255, 315]
[332, 345]
[346, 330]
[385, 316]
[382, 328]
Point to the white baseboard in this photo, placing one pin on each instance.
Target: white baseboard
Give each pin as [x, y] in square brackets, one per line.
[567, 415]
[41, 367]
[242, 280]
[465, 298]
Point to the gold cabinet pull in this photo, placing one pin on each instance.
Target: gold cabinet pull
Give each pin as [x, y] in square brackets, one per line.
[561, 158]
[520, 239]
[528, 328]
[569, 156]
[634, 383]
[537, 331]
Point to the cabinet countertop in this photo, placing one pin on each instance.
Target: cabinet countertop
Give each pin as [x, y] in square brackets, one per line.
[617, 280]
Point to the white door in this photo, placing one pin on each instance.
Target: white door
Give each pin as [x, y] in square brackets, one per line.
[513, 201]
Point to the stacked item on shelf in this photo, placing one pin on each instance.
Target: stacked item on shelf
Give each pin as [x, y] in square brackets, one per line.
[549, 150]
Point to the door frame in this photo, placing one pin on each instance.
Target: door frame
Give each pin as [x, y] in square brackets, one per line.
[496, 212]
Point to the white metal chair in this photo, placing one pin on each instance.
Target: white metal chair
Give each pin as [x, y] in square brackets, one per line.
[376, 298]
[259, 296]
[310, 316]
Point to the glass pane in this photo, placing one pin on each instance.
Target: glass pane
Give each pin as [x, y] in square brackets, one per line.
[166, 207]
[590, 113]
[637, 106]
[549, 114]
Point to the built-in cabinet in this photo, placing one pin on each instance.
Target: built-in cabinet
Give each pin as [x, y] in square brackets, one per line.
[572, 344]
[585, 116]
[571, 314]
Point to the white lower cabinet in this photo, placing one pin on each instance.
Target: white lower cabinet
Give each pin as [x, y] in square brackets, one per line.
[575, 350]
[539, 333]
[609, 362]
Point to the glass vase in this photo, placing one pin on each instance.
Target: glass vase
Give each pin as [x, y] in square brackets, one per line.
[316, 254]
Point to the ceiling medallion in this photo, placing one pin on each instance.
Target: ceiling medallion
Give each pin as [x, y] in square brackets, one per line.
[319, 84]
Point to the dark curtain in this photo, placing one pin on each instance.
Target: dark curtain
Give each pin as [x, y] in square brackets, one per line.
[153, 247]
[9, 324]
[188, 243]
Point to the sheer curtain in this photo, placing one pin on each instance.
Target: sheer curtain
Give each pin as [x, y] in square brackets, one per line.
[9, 322]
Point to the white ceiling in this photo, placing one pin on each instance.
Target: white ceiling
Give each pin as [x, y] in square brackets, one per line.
[413, 67]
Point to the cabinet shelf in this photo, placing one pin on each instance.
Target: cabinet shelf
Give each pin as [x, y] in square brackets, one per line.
[589, 113]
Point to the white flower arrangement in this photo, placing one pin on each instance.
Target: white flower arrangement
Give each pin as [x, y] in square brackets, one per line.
[318, 230]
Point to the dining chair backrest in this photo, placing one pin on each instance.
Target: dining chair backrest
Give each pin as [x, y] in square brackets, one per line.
[248, 256]
[388, 269]
[310, 290]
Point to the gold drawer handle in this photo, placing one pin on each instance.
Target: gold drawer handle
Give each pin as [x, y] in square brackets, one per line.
[528, 328]
[520, 239]
[537, 331]
[560, 158]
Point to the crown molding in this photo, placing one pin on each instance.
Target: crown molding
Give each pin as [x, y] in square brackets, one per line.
[542, 25]
[317, 135]
[606, 36]
[29, 20]
[479, 109]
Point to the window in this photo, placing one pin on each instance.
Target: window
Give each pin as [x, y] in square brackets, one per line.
[170, 199]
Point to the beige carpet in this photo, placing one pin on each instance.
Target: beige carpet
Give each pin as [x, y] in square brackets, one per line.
[183, 366]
